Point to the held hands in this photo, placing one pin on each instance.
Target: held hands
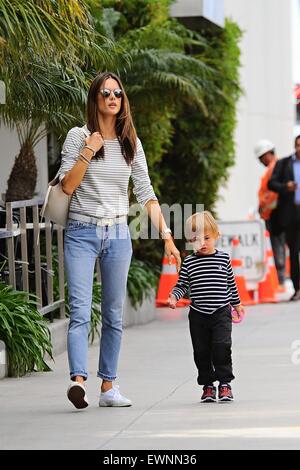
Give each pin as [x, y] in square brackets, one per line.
[171, 250]
[172, 301]
[95, 141]
[240, 310]
[292, 186]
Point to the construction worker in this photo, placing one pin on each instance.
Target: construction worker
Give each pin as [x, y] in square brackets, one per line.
[264, 150]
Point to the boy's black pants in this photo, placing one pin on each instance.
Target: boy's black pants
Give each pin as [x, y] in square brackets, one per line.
[211, 338]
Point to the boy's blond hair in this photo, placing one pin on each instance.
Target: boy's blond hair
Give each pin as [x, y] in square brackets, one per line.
[200, 223]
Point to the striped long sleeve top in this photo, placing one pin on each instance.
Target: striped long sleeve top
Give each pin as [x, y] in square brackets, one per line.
[103, 191]
[210, 280]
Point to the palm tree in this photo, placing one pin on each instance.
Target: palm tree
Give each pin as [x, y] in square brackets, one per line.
[48, 98]
[49, 50]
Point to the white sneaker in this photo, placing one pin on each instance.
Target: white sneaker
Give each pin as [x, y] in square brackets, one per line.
[77, 395]
[113, 398]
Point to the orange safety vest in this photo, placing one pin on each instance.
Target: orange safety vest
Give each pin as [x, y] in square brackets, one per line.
[267, 199]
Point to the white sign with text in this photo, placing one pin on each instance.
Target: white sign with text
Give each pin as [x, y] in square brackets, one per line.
[251, 235]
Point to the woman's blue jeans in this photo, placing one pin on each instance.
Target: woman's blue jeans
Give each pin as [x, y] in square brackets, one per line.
[83, 244]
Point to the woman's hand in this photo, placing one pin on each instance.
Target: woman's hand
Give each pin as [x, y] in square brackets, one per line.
[95, 141]
[172, 301]
[171, 250]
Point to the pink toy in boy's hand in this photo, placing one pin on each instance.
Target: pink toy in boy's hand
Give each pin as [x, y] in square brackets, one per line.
[235, 317]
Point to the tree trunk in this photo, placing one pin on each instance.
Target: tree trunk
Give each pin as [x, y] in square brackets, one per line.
[23, 176]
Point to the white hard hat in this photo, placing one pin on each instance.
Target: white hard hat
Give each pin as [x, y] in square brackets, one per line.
[262, 147]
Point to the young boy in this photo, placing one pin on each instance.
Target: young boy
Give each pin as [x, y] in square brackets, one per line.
[209, 276]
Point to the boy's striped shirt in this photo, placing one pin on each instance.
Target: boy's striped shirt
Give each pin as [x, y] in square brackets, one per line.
[211, 282]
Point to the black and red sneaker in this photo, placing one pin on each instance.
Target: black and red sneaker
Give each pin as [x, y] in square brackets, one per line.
[209, 394]
[225, 393]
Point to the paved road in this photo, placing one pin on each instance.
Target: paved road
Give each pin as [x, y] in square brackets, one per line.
[157, 373]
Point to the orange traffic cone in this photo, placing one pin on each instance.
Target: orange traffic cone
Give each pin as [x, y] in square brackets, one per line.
[168, 280]
[271, 262]
[237, 266]
[267, 287]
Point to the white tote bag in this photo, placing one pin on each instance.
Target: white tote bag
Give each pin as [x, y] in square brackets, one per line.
[56, 204]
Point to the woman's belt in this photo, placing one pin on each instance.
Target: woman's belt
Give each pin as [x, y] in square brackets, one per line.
[102, 221]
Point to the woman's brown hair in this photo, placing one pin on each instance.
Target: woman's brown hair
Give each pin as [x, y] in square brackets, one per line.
[125, 129]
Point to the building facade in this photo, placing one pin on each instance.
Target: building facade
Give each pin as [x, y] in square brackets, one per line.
[267, 108]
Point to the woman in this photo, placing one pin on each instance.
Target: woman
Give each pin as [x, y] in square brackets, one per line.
[97, 162]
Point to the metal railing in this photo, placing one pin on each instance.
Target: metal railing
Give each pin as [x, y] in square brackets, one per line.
[11, 231]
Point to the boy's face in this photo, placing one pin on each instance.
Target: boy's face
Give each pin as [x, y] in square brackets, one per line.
[204, 244]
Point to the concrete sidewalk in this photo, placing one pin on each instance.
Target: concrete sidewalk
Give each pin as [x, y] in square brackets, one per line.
[157, 372]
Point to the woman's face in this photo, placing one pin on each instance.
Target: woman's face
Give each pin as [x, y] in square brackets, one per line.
[108, 103]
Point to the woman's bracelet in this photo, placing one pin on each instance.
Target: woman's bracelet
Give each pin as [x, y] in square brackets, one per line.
[80, 159]
[83, 161]
[81, 156]
[90, 148]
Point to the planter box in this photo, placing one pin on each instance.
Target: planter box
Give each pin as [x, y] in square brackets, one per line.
[145, 313]
[59, 330]
[3, 360]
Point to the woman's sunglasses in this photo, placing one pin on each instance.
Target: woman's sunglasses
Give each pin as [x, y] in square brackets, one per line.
[106, 92]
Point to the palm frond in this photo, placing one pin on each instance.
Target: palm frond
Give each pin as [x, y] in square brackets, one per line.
[47, 26]
[159, 76]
